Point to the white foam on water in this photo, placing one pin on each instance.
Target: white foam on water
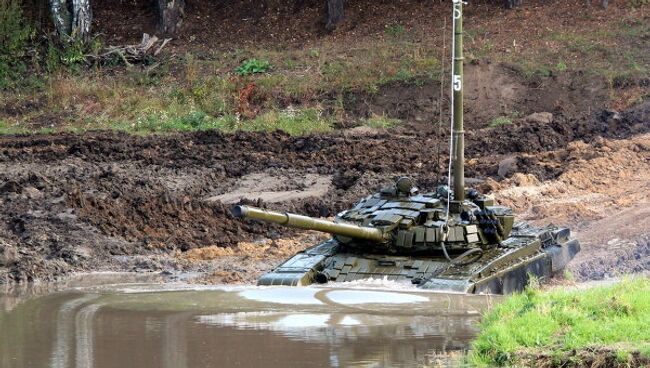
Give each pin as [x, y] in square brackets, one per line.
[374, 283]
[303, 321]
[283, 295]
[373, 297]
[349, 321]
[385, 284]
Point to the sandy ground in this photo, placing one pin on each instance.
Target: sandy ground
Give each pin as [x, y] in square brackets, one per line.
[604, 197]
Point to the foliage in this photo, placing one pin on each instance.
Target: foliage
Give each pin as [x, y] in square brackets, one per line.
[380, 122]
[394, 30]
[500, 120]
[164, 122]
[560, 321]
[326, 71]
[253, 66]
[294, 122]
[15, 38]
[504, 120]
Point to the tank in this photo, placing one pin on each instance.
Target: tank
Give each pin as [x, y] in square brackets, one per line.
[453, 239]
[400, 234]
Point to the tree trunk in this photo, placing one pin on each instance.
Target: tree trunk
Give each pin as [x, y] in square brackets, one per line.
[170, 15]
[61, 17]
[603, 3]
[334, 14]
[513, 3]
[82, 16]
[72, 19]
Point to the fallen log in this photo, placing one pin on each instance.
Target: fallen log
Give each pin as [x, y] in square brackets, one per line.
[149, 47]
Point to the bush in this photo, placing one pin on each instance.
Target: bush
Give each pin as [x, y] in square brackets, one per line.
[15, 38]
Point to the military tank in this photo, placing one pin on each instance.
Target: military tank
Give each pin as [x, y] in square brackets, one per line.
[453, 239]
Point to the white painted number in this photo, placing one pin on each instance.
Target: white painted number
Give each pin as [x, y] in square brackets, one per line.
[458, 83]
[457, 13]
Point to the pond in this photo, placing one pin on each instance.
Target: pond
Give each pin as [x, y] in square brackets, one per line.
[163, 325]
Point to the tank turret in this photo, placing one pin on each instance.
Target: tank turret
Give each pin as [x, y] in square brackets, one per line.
[401, 220]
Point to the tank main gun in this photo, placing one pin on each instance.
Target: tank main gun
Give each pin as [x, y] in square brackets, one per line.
[309, 223]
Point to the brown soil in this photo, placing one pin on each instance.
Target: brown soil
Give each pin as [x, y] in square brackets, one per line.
[602, 193]
[211, 25]
[595, 357]
[111, 201]
[492, 91]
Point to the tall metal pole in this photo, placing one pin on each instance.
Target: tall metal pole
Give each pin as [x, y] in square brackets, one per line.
[458, 134]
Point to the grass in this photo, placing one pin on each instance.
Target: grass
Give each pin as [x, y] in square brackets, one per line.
[504, 120]
[293, 122]
[381, 122]
[174, 94]
[558, 321]
[500, 120]
[197, 94]
[394, 30]
[609, 52]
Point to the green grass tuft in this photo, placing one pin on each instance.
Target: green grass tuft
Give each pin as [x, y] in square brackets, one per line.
[394, 30]
[294, 122]
[381, 122]
[499, 121]
[559, 321]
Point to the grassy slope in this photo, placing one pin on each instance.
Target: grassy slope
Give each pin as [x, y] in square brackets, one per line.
[557, 323]
[303, 90]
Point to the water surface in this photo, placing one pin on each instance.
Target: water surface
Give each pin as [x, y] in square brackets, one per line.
[149, 325]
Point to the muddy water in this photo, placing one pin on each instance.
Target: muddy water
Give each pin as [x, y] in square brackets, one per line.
[143, 325]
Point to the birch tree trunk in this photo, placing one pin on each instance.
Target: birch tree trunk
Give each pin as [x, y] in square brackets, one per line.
[334, 13]
[170, 15]
[81, 18]
[72, 19]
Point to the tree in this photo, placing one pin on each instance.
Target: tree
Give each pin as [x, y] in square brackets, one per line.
[72, 19]
[170, 15]
[334, 13]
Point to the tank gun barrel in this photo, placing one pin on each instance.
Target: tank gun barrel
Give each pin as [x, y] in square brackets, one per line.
[308, 223]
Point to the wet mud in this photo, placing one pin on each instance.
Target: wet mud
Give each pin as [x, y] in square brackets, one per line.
[112, 201]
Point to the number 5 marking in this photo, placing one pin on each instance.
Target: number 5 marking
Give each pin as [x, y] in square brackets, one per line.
[458, 83]
[457, 13]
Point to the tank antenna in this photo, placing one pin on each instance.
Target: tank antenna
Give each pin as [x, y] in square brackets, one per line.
[457, 146]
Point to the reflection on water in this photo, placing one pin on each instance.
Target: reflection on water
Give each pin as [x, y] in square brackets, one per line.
[153, 326]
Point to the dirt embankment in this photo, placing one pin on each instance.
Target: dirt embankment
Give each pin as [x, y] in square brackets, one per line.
[603, 193]
[111, 201]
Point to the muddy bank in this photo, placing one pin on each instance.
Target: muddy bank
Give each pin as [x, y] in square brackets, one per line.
[110, 201]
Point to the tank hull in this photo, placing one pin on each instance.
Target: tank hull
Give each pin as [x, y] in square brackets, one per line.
[501, 270]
